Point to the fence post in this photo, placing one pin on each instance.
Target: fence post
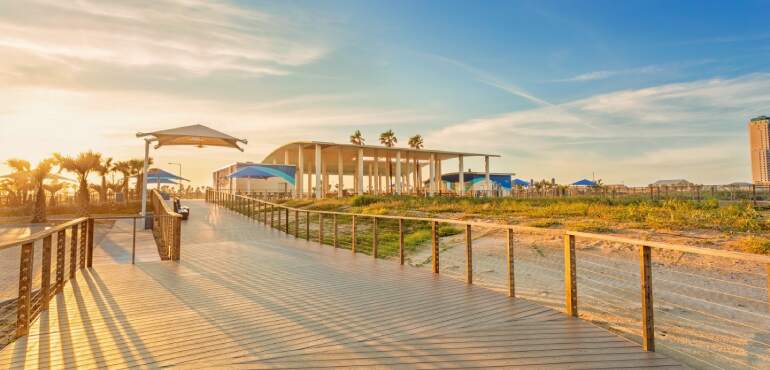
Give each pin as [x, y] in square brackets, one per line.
[353, 234]
[73, 251]
[176, 249]
[468, 255]
[334, 224]
[45, 273]
[272, 216]
[287, 221]
[83, 237]
[511, 277]
[90, 250]
[570, 275]
[279, 218]
[321, 228]
[374, 237]
[434, 250]
[648, 326]
[307, 225]
[401, 240]
[24, 302]
[296, 223]
[61, 240]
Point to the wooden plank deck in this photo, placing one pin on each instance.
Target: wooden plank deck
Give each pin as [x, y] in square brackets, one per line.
[247, 296]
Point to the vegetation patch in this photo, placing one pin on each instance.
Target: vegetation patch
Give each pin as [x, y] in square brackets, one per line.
[754, 244]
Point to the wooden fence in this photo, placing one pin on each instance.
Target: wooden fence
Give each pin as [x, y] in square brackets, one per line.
[279, 216]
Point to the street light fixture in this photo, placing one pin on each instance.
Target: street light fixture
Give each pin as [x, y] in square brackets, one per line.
[180, 173]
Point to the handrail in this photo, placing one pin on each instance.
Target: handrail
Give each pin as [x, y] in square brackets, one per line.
[658, 245]
[261, 213]
[674, 247]
[166, 227]
[41, 234]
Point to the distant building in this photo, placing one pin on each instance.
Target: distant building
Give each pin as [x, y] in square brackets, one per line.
[759, 141]
[676, 182]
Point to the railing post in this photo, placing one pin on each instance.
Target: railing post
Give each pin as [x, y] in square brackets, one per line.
[90, 250]
[511, 278]
[73, 251]
[83, 237]
[434, 249]
[334, 222]
[133, 242]
[61, 241]
[374, 237]
[570, 275]
[401, 240]
[287, 220]
[296, 224]
[648, 325]
[24, 302]
[768, 287]
[353, 234]
[307, 225]
[279, 218]
[468, 255]
[272, 216]
[45, 273]
[321, 228]
[176, 249]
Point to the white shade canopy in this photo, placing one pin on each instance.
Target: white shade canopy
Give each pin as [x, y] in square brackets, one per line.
[197, 135]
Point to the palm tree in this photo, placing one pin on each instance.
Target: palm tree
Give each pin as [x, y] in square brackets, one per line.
[53, 188]
[124, 167]
[388, 138]
[415, 142]
[104, 168]
[136, 167]
[38, 176]
[19, 183]
[82, 165]
[357, 138]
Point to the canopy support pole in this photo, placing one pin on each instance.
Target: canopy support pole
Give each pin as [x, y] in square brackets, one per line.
[144, 180]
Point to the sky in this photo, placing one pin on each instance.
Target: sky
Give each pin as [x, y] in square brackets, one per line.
[624, 91]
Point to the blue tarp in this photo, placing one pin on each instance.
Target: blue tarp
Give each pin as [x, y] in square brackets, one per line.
[584, 182]
[265, 171]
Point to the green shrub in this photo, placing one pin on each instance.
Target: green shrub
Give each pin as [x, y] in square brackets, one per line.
[546, 223]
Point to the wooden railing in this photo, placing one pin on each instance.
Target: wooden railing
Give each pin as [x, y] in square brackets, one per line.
[266, 212]
[166, 228]
[29, 303]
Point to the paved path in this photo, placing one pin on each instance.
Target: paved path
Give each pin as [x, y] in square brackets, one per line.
[247, 296]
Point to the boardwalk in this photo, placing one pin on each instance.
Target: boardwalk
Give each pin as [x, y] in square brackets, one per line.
[247, 296]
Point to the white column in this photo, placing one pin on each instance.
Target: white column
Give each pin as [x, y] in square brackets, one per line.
[398, 172]
[376, 174]
[300, 171]
[318, 188]
[432, 175]
[461, 177]
[407, 176]
[340, 173]
[417, 177]
[439, 183]
[486, 174]
[360, 174]
[286, 157]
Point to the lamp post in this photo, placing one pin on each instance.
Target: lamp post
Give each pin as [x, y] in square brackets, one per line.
[180, 173]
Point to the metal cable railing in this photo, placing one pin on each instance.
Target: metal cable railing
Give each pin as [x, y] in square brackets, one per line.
[490, 254]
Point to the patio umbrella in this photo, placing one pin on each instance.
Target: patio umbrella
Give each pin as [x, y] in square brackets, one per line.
[197, 135]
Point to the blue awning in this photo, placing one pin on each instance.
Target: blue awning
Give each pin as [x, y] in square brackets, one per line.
[264, 171]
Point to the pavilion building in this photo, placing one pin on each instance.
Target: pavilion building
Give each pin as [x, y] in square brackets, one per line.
[363, 169]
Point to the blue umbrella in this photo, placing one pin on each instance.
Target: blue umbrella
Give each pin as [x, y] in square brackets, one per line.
[520, 182]
[584, 182]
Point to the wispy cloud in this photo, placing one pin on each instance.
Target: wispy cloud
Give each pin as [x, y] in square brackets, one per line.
[694, 129]
[491, 80]
[178, 36]
[605, 74]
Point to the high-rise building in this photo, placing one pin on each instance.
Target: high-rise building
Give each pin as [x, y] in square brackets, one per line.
[759, 140]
